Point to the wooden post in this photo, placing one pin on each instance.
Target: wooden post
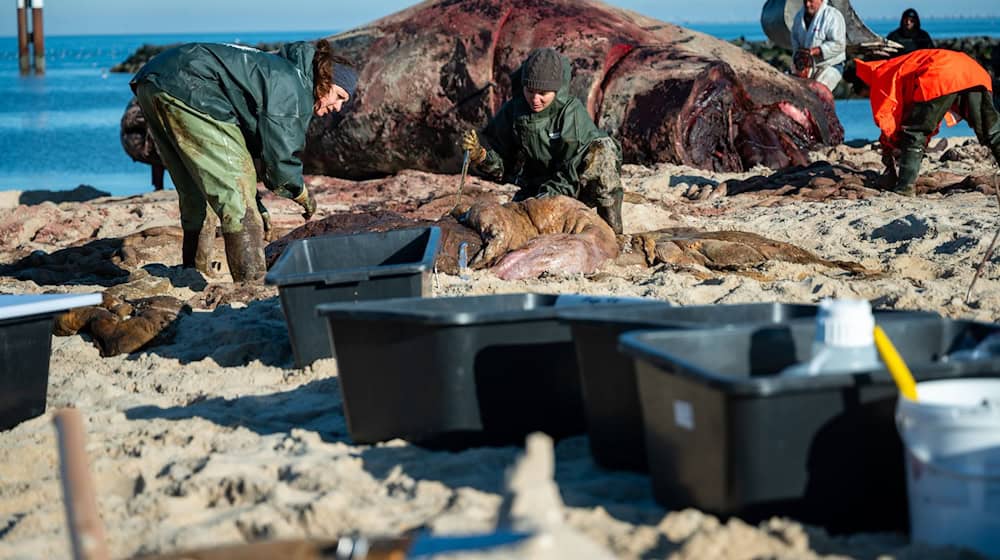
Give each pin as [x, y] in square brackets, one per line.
[23, 60]
[85, 527]
[38, 36]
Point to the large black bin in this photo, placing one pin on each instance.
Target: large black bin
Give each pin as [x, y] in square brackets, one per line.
[607, 378]
[347, 268]
[25, 345]
[458, 371]
[725, 434]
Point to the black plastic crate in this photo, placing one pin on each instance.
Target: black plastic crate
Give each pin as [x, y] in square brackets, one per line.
[608, 379]
[348, 268]
[460, 371]
[25, 345]
[727, 435]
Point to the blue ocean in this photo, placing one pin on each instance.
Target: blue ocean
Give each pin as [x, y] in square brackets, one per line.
[60, 130]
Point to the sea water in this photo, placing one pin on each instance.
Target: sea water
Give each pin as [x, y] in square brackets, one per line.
[61, 130]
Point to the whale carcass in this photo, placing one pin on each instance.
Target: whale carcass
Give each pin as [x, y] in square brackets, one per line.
[667, 93]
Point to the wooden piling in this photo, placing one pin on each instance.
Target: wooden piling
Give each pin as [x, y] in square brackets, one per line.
[38, 35]
[86, 530]
[23, 60]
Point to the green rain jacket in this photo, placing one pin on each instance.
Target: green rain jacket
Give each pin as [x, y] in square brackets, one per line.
[541, 152]
[269, 96]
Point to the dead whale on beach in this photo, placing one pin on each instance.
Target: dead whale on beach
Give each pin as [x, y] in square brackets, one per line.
[667, 93]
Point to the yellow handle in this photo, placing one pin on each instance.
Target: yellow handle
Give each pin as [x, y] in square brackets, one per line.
[897, 367]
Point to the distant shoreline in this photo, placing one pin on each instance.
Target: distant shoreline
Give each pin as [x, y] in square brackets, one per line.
[689, 23]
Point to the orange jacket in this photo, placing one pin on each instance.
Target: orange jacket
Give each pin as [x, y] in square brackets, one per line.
[919, 76]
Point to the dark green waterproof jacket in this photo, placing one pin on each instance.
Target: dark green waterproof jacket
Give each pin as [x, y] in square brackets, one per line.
[269, 96]
[541, 152]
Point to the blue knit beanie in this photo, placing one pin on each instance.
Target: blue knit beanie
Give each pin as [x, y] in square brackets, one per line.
[345, 77]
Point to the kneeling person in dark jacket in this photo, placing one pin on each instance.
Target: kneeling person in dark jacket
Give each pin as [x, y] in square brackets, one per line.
[544, 141]
[212, 108]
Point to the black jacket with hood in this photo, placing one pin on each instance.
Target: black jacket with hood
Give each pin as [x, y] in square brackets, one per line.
[268, 95]
[913, 39]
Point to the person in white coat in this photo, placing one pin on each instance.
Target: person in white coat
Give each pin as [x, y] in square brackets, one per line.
[819, 33]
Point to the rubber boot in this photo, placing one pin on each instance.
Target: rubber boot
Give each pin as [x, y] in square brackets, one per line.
[905, 189]
[909, 170]
[888, 179]
[612, 213]
[245, 250]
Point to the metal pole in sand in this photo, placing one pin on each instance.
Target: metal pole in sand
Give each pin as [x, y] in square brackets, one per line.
[23, 60]
[85, 527]
[38, 35]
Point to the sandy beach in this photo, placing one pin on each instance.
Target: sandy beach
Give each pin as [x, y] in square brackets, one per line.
[215, 437]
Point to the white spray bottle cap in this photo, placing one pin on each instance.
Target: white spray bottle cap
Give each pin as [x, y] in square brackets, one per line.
[845, 323]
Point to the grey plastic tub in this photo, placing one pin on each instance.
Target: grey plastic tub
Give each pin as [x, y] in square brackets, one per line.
[348, 268]
[25, 345]
[725, 434]
[608, 378]
[460, 371]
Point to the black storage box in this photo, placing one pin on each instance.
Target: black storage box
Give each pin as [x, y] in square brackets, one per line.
[459, 371]
[725, 434]
[347, 268]
[25, 345]
[607, 378]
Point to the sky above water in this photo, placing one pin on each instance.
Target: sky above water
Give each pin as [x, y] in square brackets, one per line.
[101, 17]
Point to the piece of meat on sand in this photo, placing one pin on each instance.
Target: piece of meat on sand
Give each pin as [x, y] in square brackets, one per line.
[550, 235]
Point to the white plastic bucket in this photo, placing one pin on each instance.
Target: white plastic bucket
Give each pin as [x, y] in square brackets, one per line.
[951, 439]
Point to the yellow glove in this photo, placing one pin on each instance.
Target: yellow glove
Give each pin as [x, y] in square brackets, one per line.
[470, 142]
[306, 202]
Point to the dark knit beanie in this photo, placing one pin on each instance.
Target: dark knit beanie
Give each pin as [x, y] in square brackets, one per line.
[543, 71]
[345, 77]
